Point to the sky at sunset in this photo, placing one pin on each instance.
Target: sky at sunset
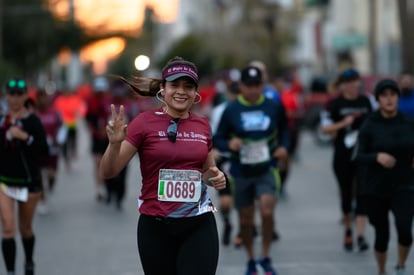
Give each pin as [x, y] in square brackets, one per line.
[100, 16]
[108, 16]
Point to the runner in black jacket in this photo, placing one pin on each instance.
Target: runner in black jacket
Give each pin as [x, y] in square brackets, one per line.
[385, 154]
[22, 141]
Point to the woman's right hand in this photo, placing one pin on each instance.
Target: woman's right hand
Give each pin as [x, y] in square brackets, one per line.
[116, 129]
[386, 160]
[348, 120]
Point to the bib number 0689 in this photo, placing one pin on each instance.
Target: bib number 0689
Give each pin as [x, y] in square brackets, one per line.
[178, 191]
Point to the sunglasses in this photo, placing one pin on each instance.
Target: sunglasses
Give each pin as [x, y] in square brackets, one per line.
[172, 130]
[16, 92]
[20, 84]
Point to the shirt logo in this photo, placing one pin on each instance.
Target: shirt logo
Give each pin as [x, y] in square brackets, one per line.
[255, 121]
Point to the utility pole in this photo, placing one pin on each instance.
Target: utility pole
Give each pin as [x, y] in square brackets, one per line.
[73, 73]
[373, 35]
[406, 9]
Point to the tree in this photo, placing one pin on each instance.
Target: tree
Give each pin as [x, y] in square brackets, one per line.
[406, 11]
[32, 36]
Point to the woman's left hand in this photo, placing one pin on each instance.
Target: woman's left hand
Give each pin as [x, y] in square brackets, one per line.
[215, 178]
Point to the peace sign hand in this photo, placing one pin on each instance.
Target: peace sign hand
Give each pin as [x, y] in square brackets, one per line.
[116, 129]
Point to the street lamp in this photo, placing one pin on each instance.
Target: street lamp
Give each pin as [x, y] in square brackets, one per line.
[142, 62]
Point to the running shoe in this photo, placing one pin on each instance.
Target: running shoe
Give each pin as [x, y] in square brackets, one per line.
[118, 205]
[348, 242]
[226, 234]
[99, 197]
[29, 269]
[362, 244]
[42, 208]
[399, 271]
[238, 241]
[266, 264]
[275, 236]
[251, 268]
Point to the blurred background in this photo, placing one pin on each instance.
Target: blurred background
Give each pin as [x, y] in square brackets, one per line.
[66, 43]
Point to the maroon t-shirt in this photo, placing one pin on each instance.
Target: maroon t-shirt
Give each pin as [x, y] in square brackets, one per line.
[51, 121]
[148, 133]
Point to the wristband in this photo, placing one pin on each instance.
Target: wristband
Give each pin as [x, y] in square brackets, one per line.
[29, 140]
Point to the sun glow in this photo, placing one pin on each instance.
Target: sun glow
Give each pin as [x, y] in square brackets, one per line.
[108, 16]
[102, 17]
[99, 53]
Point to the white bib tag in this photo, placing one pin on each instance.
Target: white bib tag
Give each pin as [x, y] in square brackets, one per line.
[254, 152]
[17, 193]
[350, 139]
[179, 185]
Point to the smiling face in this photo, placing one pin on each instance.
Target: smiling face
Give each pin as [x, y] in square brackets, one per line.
[179, 95]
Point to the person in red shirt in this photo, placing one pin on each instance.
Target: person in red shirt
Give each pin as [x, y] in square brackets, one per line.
[97, 116]
[52, 122]
[116, 186]
[290, 95]
[176, 222]
[72, 107]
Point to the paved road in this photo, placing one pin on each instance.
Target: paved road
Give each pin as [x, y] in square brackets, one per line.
[82, 237]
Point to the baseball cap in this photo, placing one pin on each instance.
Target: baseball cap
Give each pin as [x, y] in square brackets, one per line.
[251, 75]
[386, 84]
[177, 70]
[348, 75]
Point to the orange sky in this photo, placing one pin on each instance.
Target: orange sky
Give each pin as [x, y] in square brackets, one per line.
[106, 16]
[114, 15]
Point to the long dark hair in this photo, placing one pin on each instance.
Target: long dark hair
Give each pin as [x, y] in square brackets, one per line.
[147, 86]
[144, 86]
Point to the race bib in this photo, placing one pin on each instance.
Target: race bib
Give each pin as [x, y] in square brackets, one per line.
[179, 185]
[17, 193]
[254, 152]
[350, 139]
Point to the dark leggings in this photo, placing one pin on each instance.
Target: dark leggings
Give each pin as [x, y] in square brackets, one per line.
[69, 147]
[345, 172]
[117, 185]
[400, 204]
[182, 246]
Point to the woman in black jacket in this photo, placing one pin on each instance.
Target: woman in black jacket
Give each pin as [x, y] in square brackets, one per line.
[385, 154]
[22, 141]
